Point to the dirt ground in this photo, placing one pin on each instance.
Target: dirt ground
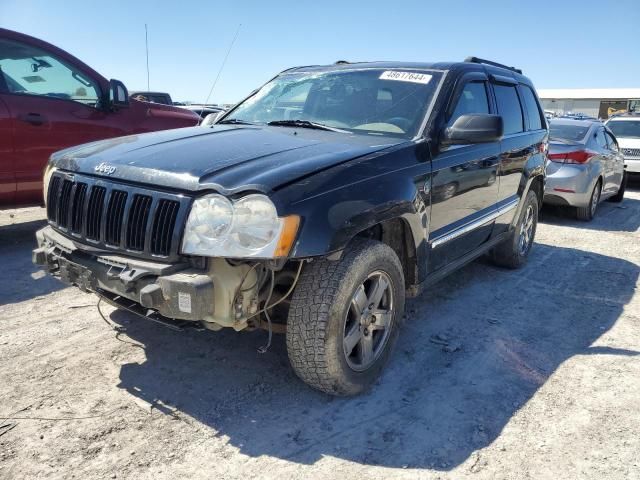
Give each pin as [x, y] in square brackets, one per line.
[539, 378]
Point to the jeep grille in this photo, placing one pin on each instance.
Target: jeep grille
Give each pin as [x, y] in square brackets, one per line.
[116, 217]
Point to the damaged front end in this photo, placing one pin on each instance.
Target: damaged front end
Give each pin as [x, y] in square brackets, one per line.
[212, 293]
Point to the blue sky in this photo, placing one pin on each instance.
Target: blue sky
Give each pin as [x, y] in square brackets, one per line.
[558, 44]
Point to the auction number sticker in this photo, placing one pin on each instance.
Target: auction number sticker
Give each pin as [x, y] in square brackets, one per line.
[412, 77]
[184, 302]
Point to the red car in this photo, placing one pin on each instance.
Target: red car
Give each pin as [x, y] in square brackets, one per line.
[50, 100]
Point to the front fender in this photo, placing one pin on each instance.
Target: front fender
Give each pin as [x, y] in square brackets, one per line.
[333, 210]
[331, 222]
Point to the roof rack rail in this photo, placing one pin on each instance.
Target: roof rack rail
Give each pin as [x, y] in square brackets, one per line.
[489, 62]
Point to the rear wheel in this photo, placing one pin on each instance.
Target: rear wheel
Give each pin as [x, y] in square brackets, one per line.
[618, 197]
[513, 252]
[587, 213]
[344, 316]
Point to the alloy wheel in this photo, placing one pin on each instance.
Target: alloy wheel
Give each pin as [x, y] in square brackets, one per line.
[595, 198]
[526, 230]
[369, 321]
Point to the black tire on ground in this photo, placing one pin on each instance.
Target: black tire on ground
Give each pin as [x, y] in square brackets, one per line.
[587, 213]
[324, 318]
[513, 252]
[618, 197]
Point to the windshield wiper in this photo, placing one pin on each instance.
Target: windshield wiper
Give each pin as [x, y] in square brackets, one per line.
[235, 121]
[304, 124]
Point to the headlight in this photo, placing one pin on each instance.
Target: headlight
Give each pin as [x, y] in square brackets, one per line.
[48, 171]
[248, 227]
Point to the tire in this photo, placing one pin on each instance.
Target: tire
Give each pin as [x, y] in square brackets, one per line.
[513, 252]
[324, 319]
[449, 191]
[587, 213]
[618, 197]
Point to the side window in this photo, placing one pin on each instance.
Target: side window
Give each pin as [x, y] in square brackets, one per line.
[613, 144]
[509, 107]
[29, 70]
[601, 140]
[473, 99]
[533, 111]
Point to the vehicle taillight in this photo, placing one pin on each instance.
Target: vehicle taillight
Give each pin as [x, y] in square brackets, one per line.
[579, 156]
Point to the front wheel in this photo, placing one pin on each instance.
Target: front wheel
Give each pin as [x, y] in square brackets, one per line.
[344, 316]
[513, 252]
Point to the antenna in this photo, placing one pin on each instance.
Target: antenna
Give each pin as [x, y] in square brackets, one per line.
[221, 67]
[146, 43]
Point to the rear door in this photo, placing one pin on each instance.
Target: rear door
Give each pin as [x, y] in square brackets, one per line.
[617, 160]
[464, 182]
[519, 143]
[607, 160]
[53, 105]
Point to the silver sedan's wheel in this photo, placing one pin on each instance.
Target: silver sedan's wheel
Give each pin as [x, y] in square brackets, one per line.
[369, 321]
[587, 213]
[595, 198]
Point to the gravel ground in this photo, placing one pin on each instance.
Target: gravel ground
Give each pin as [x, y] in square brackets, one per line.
[498, 374]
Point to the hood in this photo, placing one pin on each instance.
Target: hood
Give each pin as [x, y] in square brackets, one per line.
[628, 142]
[226, 158]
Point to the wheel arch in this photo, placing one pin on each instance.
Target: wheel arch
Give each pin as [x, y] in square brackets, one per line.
[397, 234]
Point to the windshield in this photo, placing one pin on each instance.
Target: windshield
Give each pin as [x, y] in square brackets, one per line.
[368, 101]
[574, 133]
[625, 128]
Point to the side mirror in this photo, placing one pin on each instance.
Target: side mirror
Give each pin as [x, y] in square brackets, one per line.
[118, 94]
[474, 128]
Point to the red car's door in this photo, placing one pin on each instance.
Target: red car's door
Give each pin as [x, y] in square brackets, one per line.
[53, 105]
[7, 178]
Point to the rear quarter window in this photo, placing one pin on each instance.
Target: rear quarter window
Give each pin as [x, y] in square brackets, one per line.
[533, 110]
[509, 107]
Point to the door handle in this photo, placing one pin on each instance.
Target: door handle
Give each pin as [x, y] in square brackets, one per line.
[33, 118]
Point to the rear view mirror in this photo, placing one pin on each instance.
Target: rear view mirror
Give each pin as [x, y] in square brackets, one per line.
[474, 128]
[118, 94]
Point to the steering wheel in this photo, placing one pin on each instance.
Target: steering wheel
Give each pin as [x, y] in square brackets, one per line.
[403, 123]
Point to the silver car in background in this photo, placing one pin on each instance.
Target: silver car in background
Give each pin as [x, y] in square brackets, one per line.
[584, 166]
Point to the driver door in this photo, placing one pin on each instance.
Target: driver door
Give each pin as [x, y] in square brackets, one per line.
[464, 188]
[52, 106]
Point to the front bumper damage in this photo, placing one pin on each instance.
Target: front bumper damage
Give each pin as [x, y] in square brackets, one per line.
[162, 292]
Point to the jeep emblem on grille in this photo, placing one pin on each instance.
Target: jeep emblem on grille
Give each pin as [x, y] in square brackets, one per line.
[104, 168]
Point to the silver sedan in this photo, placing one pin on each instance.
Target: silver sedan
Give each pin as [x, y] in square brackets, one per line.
[584, 167]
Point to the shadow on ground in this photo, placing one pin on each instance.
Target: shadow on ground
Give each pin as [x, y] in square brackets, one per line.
[431, 409]
[20, 279]
[610, 217]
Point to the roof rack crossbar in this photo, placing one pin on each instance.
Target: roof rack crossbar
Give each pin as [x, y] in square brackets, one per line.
[489, 62]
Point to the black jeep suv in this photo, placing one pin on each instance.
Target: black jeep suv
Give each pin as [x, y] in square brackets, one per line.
[313, 207]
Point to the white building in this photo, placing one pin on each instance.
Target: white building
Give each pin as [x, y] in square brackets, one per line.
[595, 102]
